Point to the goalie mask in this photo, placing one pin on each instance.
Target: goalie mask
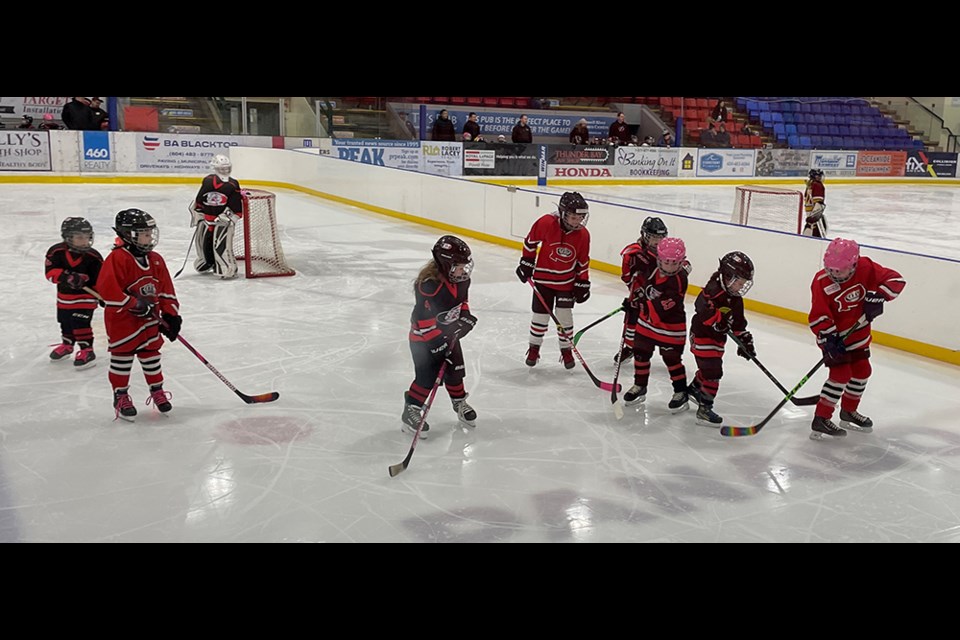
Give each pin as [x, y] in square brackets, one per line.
[138, 230]
[221, 166]
[736, 273]
[652, 232]
[671, 252]
[77, 233]
[840, 259]
[452, 255]
[574, 211]
[816, 174]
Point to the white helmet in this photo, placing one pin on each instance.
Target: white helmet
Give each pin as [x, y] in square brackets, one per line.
[221, 166]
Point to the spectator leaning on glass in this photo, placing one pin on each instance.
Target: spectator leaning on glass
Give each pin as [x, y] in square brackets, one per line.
[443, 128]
[471, 126]
[521, 131]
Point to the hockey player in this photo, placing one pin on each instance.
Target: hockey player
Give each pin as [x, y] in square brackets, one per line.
[718, 309]
[561, 272]
[639, 259]
[813, 203]
[849, 286]
[140, 304]
[441, 318]
[661, 322]
[72, 265]
[218, 205]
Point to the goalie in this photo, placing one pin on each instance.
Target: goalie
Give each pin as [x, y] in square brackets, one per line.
[218, 205]
[814, 224]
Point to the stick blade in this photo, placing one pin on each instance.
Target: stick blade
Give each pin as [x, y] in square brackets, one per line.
[618, 410]
[259, 398]
[805, 402]
[736, 432]
[395, 469]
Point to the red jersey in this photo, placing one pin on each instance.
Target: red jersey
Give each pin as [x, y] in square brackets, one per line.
[438, 304]
[837, 307]
[123, 278]
[564, 255]
[662, 317]
[637, 263]
[814, 193]
[61, 258]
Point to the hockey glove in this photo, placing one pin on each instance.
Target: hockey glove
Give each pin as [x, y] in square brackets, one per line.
[581, 291]
[76, 280]
[722, 321]
[170, 326]
[525, 270]
[463, 326]
[873, 305]
[748, 350]
[196, 216]
[142, 307]
[686, 266]
[832, 346]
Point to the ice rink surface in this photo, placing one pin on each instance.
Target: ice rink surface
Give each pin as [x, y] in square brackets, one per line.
[547, 462]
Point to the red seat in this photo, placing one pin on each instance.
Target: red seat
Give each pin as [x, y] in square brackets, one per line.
[475, 101]
[505, 102]
[703, 103]
[458, 100]
[490, 102]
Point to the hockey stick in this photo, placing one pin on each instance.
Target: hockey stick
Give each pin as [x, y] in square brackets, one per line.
[395, 469]
[797, 402]
[753, 430]
[576, 337]
[193, 241]
[257, 399]
[617, 407]
[606, 386]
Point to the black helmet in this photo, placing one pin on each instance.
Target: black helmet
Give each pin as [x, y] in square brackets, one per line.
[736, 265]
[572, 203]
[450, 251]
[138, 230]
[652, 231]
[816, 174]
[73, 226]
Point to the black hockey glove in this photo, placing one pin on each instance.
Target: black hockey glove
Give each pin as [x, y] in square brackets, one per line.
[873, 305]
[832, 346]
[525, 270]
[73, 279]
[723, 323]
[748, 350]
[581, 291]
[170, 326]
[465, 324]
[143, 307]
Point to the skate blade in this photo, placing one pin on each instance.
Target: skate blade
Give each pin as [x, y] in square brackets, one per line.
[467, 423]
[816, 435]
[635, 402]
[680, 409]
[707, 423]
[853, 427]
[128, 418]
[412, 431]
[85, 366]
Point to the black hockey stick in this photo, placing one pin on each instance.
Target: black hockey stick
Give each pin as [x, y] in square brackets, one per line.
[606, 386]
[797, 402]
[753, 430]
[395, 469]
[576, 337]
[193, 241]
[617, 408]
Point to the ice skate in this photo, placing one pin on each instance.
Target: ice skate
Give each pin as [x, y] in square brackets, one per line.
[84, 359]
[465, 413]
[533, 355]
[707, 417]
[123, 406]
[635, 395]
[856, 421]
[160, 398]
[411, 420]
[566, 356]
[678, 402]
[61, 352]
[822, 427]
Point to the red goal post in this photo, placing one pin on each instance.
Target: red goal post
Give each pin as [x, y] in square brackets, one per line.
[768, 208]
[256, 240]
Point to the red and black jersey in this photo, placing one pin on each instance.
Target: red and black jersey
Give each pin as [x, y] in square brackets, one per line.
[638, 262]
[837, 306]
[564, 256]
[123, 278]
[662, 317]
[439, 303]
[712, 306]
[216, 195]
[814, 193]
[61, 258]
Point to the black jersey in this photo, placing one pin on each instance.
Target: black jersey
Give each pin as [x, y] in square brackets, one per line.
[714, 305]
[216, 195]
[61, 258]
[438, 304]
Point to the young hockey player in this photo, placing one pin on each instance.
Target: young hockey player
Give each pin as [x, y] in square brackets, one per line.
[661, 322]
[849, 286]
[140, 304]
[639, 259]
[72, 265]
[561, 272]
[218, 205]
[441, 318]
[718, 309]
[813, 204]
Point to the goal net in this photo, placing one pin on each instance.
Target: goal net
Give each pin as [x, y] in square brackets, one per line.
[769, 208]
[256, 241]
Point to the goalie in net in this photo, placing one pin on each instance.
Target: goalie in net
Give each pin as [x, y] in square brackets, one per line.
[221, 241]
[769, 208]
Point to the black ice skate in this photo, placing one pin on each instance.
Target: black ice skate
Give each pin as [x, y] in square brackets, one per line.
[411, 419]
[707, 417]
[678, 402]
[856, 421]
[822, 427]
[695, 394]
[635, 395]
[160, 398]
[623, 356]
[465, 413]
[123, 406]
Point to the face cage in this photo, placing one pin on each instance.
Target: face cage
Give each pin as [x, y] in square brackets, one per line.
[669, 267]
[650, 241]
[74, 246]
[569, 227]
[467, 271]
[739, 291]
[137, 238]
[840, 276]
[223, 171]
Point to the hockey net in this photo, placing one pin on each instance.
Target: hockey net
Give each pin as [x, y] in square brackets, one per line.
[768, 208]
[256, 241]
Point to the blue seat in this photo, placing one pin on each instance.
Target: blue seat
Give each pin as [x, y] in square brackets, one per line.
[805, 108]
[805, 142]
[791, 129]
[793, 141]
[836, 142]
[804, 129]
[823, 130]
[844, 130]
[777, 116]
[764, 106]
[833, 130]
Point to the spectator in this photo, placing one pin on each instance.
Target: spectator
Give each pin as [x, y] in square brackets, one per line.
[77, 114]
[708, 137]
[719, 113]
[666, 139]
[408, 126]
[26, 123]
[501, 138]
[467, 137]
[723, 138]
[634, 141]
[443, 128]
[647, 141]
[748, 131]
[521, 131]
[580, 134]
[471, 126]
[620, 130]
[100, 119]
[49, 123]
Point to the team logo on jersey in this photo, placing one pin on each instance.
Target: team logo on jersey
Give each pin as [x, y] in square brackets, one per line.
[849, 298]
[563, 253]
[214, 199]
[449, 317]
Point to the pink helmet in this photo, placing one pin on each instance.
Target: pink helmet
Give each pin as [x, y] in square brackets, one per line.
[840, 259]
[670, 253]
[48, 116]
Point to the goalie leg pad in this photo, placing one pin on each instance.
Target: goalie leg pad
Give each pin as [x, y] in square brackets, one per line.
[203, 243]
[225, 264]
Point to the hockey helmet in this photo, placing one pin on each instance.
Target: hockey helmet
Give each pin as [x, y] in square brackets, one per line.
[77, 233]
[816, 174]
[452, 255]
[138, 230]
[671, 252]
[221, 166]
[840, 259]
[652, 231]
[574, 211]
[736, 273]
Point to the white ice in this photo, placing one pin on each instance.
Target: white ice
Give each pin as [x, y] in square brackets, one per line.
[547, 462]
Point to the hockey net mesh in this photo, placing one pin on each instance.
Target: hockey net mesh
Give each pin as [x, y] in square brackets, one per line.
[256, 240]
[769, 208]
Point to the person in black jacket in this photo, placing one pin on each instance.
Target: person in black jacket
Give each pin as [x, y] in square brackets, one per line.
[443, 128]
[77, 114]
[521, 131]
[99, 118]
[471, 126]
